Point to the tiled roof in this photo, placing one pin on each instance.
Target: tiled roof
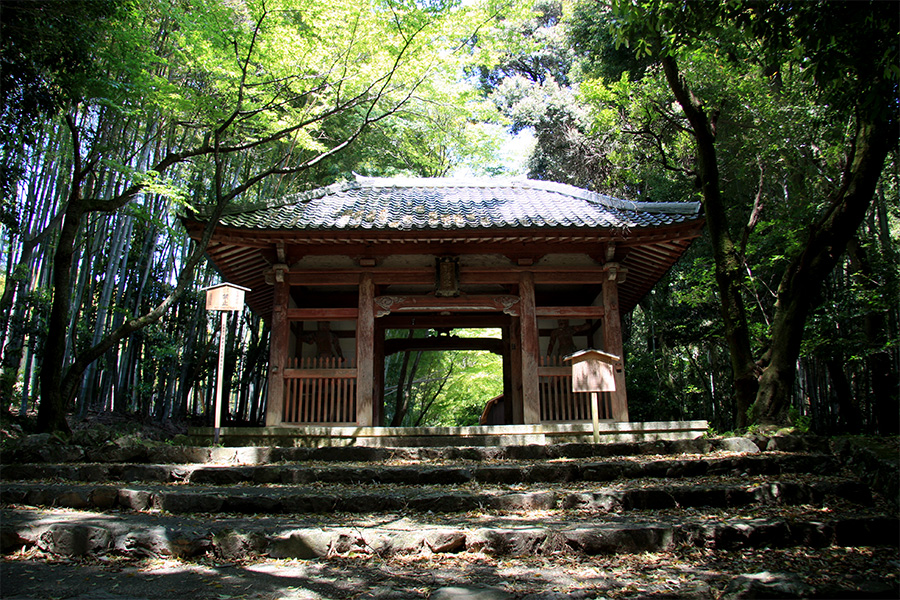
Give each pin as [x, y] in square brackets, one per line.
[408, 204]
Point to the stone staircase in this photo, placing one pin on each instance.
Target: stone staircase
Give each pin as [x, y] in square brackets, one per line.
[567, 502]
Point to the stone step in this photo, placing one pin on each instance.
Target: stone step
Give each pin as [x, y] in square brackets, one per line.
[506, 472]
[340, 498]
[78, 534]
[43, 448]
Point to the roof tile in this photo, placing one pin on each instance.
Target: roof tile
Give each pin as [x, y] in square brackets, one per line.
[449, 204]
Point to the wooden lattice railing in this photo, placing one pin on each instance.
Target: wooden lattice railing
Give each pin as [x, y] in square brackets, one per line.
[558, 402]
[320, 390]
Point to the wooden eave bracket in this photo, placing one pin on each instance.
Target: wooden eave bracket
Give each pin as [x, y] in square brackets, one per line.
[616, 272]
[276, 274]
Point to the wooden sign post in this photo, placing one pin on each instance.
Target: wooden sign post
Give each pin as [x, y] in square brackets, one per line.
[593, 371]
[225, 298]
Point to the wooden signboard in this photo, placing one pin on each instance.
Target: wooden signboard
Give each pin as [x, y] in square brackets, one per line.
[225, 296]
[594, 371]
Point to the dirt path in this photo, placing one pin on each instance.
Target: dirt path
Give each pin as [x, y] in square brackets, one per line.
[692, 574]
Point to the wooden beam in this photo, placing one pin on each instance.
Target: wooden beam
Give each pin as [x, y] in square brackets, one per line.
[530, 348]
[385, 305]
[467, 275]
[278, 355]
[365, 353]
[322, 314]
[350, 276]
[440, 343]
[570, 312]
[432, 321]
[612, 343]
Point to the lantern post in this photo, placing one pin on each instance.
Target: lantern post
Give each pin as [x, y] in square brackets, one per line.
[225, 298]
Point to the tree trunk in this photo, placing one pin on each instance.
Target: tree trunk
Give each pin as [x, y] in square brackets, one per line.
[806, 273]
[54, 405]
[730, 273]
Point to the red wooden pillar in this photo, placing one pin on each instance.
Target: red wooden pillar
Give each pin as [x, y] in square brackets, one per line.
[509, 393]
[515, 372]
[278, 350]
[612, 342]
[378, 386]
[530, 348]
[365, 353]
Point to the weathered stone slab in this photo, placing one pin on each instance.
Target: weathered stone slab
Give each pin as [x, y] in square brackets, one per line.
[252, 503]
[313, 543]
[444, 503]
[606, 501]
[754, 533]
[605, 471]
[735, 444]
[387, 543]
[104, 497]
[798, 443]
[188, 502]
[523, 501]
[147, 473]
[686, 468]
[471, 593]
[445, 541]
[238, 545]
[875, 461]
[767, 585]
[163, 541]
[222, 475]
[445, 476]
[42, 447]
[621, 539]
[550, 473]
[308, 503]
[11, 540]
[73, 539]
[370, 503]
[648, 499]
[879, 531]
[694, 446]
[812, 534]
[507, 542]
[135, 499]
[73, 499]
[498, 474]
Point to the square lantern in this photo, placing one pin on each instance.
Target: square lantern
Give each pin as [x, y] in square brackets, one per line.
[225, 296]
[593, 371]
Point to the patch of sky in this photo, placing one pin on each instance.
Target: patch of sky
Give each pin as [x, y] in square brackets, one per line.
[511, 154]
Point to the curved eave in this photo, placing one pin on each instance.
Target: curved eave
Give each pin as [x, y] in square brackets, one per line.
[243, 256]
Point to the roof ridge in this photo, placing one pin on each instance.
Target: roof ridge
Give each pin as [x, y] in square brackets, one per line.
[688, 208]
[362, 181]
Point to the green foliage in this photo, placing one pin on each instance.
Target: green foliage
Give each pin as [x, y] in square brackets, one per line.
[447, 388]
[783, 87]
[47, 59]
[801, 423]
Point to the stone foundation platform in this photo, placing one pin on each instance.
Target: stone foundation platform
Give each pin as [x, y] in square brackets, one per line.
[312, 436]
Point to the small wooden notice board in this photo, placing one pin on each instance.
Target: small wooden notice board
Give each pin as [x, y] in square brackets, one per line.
[594, 371]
